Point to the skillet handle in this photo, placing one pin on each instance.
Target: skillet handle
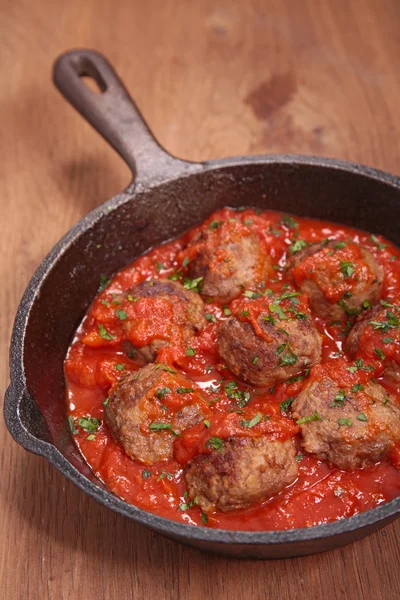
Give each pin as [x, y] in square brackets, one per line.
[113, 113]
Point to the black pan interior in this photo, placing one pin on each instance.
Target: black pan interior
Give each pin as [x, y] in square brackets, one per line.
[132, 224]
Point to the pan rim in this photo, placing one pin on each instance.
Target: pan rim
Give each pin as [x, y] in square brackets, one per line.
[18, 381]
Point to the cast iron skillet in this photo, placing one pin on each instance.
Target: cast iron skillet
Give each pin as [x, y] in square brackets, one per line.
[167, 197]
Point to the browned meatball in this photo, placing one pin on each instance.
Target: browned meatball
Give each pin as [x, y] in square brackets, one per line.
[375, 336]
[350, 429]
[279, 349]
[145, 409]
[186, 316]
[229, 259]
[244, 472]
[337, 277]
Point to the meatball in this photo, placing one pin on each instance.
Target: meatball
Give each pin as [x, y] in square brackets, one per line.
[245, 471]
[229, 259]
[183, 317]
[337, 277]
[349, 429]
[148, 408]
[268, 349]
[375, 336]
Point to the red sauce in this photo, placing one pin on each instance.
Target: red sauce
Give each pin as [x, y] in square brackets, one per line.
[96, 361]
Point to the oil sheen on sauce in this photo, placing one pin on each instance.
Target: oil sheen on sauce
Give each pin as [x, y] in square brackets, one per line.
[321, 493]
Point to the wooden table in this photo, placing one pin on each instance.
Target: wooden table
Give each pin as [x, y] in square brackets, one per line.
[213, 79]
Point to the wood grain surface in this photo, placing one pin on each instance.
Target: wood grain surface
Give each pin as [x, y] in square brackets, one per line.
[214, 78]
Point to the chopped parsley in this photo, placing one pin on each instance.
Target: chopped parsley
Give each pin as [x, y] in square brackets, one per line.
[193, 284]
[314, 417]
[104, 282]
[255, 360]
[289, 222]
[338, 399]
[299, 457]
[347, 268]
[362, 417]
[252, 422]
[276, 309]
[182, 390]
[71, 423]
[216, 443]
[345, 422]
[297, 246]
[105, 401]
[162, 427]
[234, 393]
[204, 518]
[165, 367]
[288, 359]
[340, 245]
[227, 312]
[104, 333]
[210, 318]
[121, 315]
[89, 424]
[164, 474]
[162, 392]
[285, 405]
[387, 340]
[185, 262]
[359, 364]
[280, 349]
[187, 505]
[206, 423]
[358, 387]
[120, 367]
[146, 474]
[190, 352]
[379, 353]
[160, 266]
[215, 224]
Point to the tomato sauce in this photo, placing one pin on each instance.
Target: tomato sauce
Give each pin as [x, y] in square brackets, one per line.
[98, 358]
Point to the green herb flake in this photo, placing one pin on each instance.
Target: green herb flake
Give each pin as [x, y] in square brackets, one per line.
[165, 367]
[387, 340]
[162, 392]
[299, 457]
[280, 349]
[91, 437]
[347, 268]
[285, 405]
[204, 518]
[340, 245]
[362, 417]
[252, 422]
[379, 353]
[182, 390]
[288, 359]
[216, 443]
[104, 333]
[162, 427]
[89, 424]
[193, 284]
[297, 246]
[289, 222]
[215, 224]
[121, 315]
[210, 318]
[309, 418]
[71, 423]
[227, 312]
[104, 282]
[164, 474]
[358, 387]
[187, 505]
[190, 352]
[160, 266]
[338, 399]
[206, 423]
[105, 401]
[120, 367]
[345, 422]
[105, 303]
[146, 474]
[276, 309]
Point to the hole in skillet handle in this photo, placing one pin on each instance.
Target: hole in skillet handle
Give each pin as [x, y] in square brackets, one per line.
[90, 76]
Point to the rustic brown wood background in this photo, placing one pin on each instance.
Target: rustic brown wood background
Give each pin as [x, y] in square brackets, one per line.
[214, 78]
